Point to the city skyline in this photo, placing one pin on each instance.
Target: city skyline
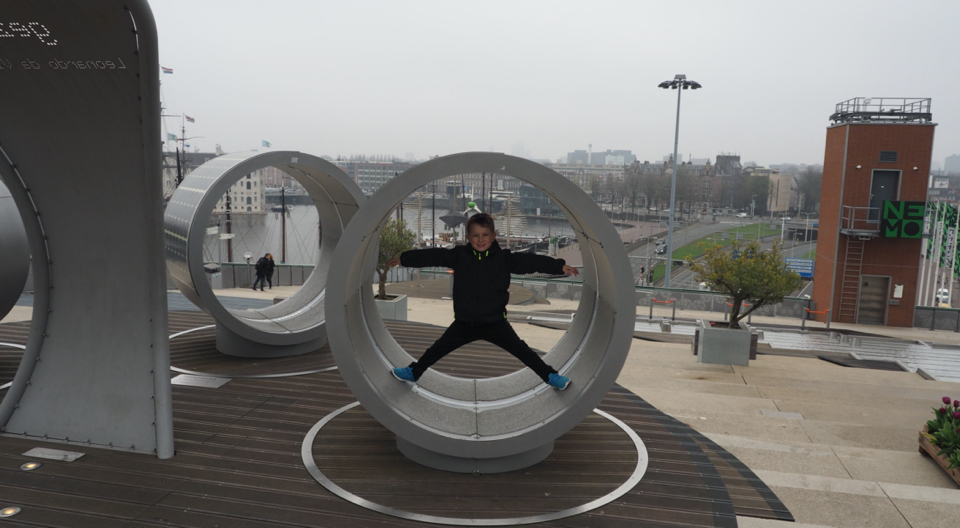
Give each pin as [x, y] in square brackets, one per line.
[434, 78]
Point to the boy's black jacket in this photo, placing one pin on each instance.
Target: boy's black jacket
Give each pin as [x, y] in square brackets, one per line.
[481, 279]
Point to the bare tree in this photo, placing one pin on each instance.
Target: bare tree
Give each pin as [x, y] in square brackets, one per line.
[596, 189]
[810, 182]
[613, 187]
[686, 184]
[758, 186]
[633, 190]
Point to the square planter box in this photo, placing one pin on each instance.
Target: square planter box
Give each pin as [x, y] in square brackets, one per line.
[393, 308]
[722, 346]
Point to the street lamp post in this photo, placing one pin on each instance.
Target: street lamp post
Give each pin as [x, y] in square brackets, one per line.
[806, 229]
[648, 268]
[679, 83]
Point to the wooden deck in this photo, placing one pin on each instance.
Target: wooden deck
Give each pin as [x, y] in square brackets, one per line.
[238, 460]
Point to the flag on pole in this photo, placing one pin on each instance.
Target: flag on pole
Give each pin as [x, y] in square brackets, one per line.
[956, 245]
[949, 234]
[166, 70]
[171, 137]
[189, 119]
[265, 142]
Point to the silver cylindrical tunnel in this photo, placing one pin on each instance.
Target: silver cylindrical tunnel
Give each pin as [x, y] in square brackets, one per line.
[296, 325]
[486, 425]
[14, 250]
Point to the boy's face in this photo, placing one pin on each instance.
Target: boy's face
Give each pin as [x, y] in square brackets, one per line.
[480, 237]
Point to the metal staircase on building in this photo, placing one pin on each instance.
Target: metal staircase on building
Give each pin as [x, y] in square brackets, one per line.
[850, 285]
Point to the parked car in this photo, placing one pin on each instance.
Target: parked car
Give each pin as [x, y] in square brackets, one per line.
[742, 215]
[943, 297]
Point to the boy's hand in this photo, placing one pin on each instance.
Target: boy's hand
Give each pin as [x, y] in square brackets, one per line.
[571, 271]
[393, 262]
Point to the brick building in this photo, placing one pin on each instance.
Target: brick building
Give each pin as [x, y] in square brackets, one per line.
[877, 151]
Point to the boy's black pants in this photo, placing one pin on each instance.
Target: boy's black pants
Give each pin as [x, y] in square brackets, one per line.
[499, 333]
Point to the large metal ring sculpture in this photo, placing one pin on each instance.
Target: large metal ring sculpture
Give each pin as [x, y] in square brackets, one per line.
[296, 325]
[14, 250]
[481, 425]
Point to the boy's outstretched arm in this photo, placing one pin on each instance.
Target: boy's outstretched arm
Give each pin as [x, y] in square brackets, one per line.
[422, 258]
[523, 263]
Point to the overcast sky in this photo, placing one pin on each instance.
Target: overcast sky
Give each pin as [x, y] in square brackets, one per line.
[439, 77]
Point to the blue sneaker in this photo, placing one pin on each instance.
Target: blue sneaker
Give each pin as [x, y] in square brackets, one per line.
[556, 381]
[404, 374]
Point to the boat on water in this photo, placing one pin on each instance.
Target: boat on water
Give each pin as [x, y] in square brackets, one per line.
[280, 208]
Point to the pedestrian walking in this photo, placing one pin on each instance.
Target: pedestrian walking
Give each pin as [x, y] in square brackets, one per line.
[269, 271]
[261, 268]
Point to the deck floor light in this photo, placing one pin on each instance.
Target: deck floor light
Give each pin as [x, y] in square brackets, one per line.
[9, 511]
[30, 466]
[679, 81]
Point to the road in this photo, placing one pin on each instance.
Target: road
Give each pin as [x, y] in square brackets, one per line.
[684, 278]
[646, 253]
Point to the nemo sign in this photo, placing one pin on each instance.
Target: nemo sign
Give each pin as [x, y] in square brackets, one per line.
[902, 219]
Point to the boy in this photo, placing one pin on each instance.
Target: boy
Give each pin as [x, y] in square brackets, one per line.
[481, 279]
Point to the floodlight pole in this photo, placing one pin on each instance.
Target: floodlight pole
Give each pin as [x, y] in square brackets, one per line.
[679, 83]
[673, 194]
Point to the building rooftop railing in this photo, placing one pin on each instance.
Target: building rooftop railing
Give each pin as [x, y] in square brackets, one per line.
[883, 110]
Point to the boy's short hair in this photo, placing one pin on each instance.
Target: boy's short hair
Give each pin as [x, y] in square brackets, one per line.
[482, 220]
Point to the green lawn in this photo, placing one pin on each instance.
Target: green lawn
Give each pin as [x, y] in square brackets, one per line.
[658, 271]
[749, 232]
[811, 255]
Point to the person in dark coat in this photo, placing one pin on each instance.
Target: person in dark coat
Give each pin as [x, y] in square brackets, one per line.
[269, 271]
[261, 268]
[480, 294]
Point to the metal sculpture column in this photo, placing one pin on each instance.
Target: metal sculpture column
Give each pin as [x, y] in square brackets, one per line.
[296, 325]
[14, 251]
[481, 425]
[80, 153]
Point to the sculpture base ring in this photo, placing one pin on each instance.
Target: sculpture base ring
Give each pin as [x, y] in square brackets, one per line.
[306, 453]
[236, 376]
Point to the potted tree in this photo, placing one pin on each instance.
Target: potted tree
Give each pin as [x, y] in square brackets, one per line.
[395, 238]
[747, 275]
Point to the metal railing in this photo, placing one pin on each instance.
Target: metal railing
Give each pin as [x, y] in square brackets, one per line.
[936, 318]
[862, 219]
[882, 109]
